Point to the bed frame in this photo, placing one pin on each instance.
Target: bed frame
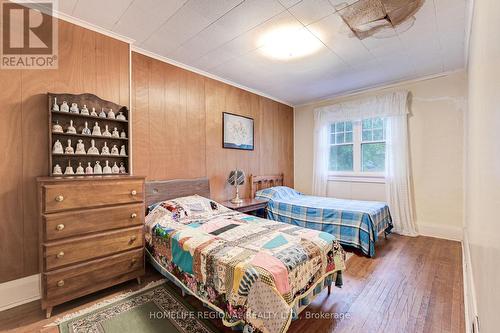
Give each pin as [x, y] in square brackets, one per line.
[161, 190]
[263, 182]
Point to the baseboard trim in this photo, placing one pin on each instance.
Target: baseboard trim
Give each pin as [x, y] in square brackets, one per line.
[470, 305]
[439, 231]
[20, 291]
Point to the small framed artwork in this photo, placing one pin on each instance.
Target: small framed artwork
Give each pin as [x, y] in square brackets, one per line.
[237, 132]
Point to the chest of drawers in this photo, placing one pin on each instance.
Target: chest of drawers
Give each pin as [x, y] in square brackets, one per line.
[91, 235]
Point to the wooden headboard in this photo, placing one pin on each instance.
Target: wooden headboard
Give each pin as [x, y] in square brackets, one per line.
[162, 190]
[262, 182]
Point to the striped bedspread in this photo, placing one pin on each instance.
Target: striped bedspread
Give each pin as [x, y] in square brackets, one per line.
[353, 223]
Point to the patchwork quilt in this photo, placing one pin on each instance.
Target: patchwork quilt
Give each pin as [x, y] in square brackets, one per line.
[353, 223]
[255, 271]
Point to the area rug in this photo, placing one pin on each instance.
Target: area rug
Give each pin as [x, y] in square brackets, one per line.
[154, 309]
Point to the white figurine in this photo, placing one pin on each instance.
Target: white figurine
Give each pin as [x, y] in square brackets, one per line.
[120, 116]
[93, 149]
[80, 148]
[71, 129]
[64, 107]
[86, 129]
[57, 170]
[58, 148]
[122, 151]
[115, 133]
[56, 128]
[111, 114]
[74, 108]
[96, 130]
[89, 170]
[102, 114]
[105, 149]
[106, 132]
[122, 168]
[79, 170]
[93, 113]
[97, 168]
[69, 149]
[114, 150]
[107, 168]
[55, 107]
[123, 135]
[69, 170]
[84, 110]
[115, 169]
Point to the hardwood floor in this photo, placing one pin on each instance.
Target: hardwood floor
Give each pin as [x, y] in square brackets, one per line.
[412, 285]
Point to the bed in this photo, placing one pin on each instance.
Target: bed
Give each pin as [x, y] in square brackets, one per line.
[256, 273]
[354, 223]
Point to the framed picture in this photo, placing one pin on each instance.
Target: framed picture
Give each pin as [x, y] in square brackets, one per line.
[237, 132]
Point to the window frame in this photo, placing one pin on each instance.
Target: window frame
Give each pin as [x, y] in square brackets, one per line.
[357, 174]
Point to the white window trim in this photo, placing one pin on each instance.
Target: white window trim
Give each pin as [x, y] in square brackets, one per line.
[357, 176]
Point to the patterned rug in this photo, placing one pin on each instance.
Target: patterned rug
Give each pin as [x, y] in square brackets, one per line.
[154, 309]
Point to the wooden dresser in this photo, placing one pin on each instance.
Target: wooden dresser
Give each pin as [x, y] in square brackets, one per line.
[91, 234]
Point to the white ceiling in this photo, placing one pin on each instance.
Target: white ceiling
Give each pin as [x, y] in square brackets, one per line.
[220, 37]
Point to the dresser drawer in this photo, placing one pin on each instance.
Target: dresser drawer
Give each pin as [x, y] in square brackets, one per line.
[82, 279]
[81, 194]
[61, 253]
[76, 223]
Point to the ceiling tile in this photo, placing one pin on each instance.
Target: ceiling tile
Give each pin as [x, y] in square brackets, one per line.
[223, 37]
[289, 3]
[337, 36]
[101, 13]
[143, 17]
[309, 11]
[67, 6]
[250, 40]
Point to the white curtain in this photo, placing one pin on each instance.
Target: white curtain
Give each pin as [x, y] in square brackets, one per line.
[393, 107]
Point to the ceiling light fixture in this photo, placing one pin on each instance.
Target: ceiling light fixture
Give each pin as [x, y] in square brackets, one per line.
[288, 42]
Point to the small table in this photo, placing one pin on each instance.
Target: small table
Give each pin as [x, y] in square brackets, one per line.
[249, 206]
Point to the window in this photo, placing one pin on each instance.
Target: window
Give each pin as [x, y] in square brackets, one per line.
[357, 147]
[341, 146]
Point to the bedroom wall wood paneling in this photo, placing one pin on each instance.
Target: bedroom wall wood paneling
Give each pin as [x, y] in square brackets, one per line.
[177, 128]
[88, 62]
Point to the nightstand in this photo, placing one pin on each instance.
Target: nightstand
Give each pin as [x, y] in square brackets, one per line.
[249, 206]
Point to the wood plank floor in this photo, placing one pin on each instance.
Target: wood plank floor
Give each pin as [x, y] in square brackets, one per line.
[412, 285]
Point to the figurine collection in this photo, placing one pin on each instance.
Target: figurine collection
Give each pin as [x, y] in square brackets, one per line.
[85, 111]
[97, 169]
[80, 146]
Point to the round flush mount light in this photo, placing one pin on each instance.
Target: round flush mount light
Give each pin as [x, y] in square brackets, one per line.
[286, 43]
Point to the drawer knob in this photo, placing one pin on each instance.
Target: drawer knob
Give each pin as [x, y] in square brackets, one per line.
[60, 227]
[59, 198]
[60, 255]
[132, 239]
[133, 216]
[132, 262]
[133, 192]
[60, 283]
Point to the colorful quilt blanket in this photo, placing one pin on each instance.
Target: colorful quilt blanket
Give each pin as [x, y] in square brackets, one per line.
[255, 271]
[353, 223]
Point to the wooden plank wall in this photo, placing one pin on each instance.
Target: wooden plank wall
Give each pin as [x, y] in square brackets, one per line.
[88, 62]
[177, 128]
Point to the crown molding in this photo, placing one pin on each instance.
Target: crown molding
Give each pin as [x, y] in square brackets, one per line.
[378, 87]
[207, 74]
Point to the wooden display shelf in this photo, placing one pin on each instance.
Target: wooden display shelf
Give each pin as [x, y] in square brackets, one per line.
[90, 136]
[78, 115]
[87, 155]
[79, 120]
